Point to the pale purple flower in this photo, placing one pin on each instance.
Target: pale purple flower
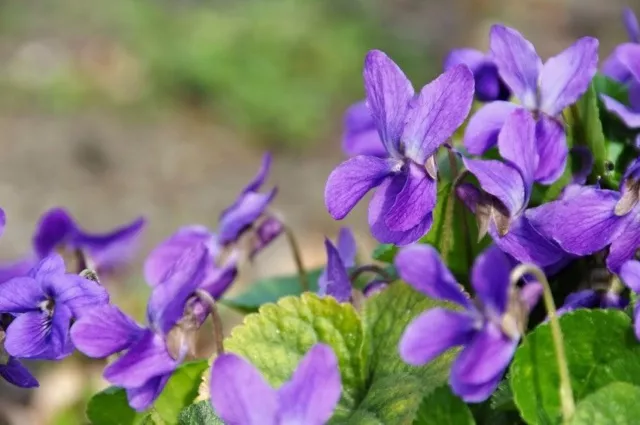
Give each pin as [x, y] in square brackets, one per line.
[146, 366]
[107, 253]
[488, 84]
[360, 135]
[630, 275]
[488, 328]
[505, 189]
[411, 129]
[334, 279]
[241, 396]
[542, 89]
[588, 219]
[248, 209]
[44, 303]
[616, 66]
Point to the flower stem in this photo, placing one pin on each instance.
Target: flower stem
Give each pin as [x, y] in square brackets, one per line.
[370, 268]
[566, 393]
[218, 331]
[297, 257]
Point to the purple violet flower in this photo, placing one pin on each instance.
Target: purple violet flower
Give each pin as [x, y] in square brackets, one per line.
[588, 219]
[106, 253]
[544, 90]
[488, 84]
[360, 136]
[630, 275]
[591, 298]
[150, 358]
[44, 303]
[505, 190]
[489, 329]
[248, 209]
[411, 129]
[12, 370]
[335, 280]
[616, 66]
[241, 396]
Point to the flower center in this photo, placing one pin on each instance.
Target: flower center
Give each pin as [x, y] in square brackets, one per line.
[48, 306]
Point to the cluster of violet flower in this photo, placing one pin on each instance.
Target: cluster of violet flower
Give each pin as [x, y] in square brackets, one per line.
[394, 139]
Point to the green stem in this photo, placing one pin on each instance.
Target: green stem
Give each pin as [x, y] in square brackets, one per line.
[566, 393]
[218, 331]
[370, 268]
[297, 257]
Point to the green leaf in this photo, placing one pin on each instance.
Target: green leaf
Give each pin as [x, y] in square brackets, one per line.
[199, 414]
[586, 129]
[601, 348]
[615, 404]
[454, 232]
[441, 407]
[610, 87]
[111, 407]
[276, 339]
[385, 253]
[270, 290]
[396, 389]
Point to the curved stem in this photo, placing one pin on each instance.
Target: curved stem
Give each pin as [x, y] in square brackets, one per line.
[370, 268]
[218, 331]
[566, 393]
[297, 257]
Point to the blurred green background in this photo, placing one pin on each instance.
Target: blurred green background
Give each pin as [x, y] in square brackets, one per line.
[116, 108]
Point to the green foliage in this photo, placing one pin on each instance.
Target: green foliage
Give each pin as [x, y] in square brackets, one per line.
[110, 407]
[441, 407]
[600, 348]
[385, 252]
[270, 290]
[612, 88]
[199, 414]
[615, 404]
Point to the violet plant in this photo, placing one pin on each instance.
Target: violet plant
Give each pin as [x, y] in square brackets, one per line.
[486, 221]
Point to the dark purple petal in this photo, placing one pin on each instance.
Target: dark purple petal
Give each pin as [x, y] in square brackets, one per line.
[145, 360]
[141, 398]
[347, 248]
[484, 126]
[248, 208]
[351, 180]
[518, 63]
[581, 224]
[78, 294]
[470, 57]
[437, 112]
[416, 200]
[527, 245]
[381, 202]
[500, 180]
[110, 251]
[35, 335]
[239, 393]
[631, 23]
[268, 230]
[614, 67]
[587, 298]
[257, 182]
[489, 85]
[484, 358]
[625, 245]
[629, 55]
[374, 287]
[55, 227]
[471, 393]
[162, 258]
[20, 294]
[630, 274]
[634, 95]
[490, 279]
[434, 332]
[552, 150]
[218, 280]
[334, 280]
[585, 164]
[469, 195]
[167, 301]
[388, 95]
[565, 77]
[421, 267]
[517, 144]
[313, 392]
[104, 331]
[628, 116]
[360, 135]
[16, 374]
